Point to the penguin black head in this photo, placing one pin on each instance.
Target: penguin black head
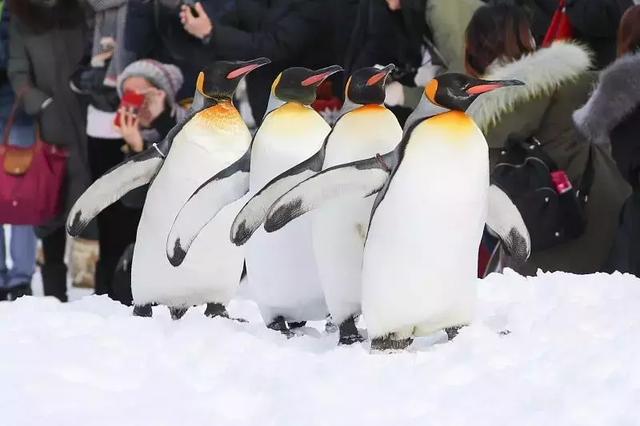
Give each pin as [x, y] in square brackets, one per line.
[299, 84]
[458, 91]
[366, 85]
[221, 79]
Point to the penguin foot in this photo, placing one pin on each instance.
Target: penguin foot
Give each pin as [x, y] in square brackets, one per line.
[298, 324]
[452, 332]
[144, 311]
[389, 343]
[349, 333]
[177, 312]
[216, 310]
[279, 324]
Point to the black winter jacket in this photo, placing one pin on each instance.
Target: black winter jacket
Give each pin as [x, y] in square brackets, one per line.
[289, 32]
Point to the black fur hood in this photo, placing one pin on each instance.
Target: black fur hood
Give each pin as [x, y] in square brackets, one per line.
[616, 96]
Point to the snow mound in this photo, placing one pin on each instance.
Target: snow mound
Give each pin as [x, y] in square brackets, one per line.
[571, 358]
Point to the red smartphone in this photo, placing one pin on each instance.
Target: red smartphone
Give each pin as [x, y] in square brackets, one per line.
[130, 99]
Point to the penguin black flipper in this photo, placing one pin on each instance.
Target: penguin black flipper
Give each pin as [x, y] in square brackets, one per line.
[224, 188]
[357, 179]
[135, 172]
[255, 211]
[505, 220]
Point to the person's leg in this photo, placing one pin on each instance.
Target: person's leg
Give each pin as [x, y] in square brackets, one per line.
[54, 270]
[23, 255]
[117, 224]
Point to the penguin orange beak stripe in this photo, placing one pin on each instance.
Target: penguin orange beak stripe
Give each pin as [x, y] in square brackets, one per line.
[492, 85]
[483, 88]
[375, 79]
[246, 69]
[323, 74]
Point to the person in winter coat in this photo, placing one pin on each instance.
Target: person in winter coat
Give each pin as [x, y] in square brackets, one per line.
[430, 34]
[160, 112]
[15, 281]
[500, 45]
[153, 30]
[289, 32]
[47, 43]
[612, 116]
[594, 23]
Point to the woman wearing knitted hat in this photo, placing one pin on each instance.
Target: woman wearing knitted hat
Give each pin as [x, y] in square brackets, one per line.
[157, 84]
[159, 112]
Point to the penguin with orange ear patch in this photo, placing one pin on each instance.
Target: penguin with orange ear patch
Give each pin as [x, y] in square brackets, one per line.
[213, 137]
[281, 269]
[433, 200]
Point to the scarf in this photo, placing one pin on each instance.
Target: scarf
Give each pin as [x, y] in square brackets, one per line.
[110, 19]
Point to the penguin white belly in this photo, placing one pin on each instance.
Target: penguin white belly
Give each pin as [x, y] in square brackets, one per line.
[420, 260]
[340, 229]
[282, 273]
[211, 271]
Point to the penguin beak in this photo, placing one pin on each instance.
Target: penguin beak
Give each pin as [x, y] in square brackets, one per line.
[247, 67]
[321, 75]
[484, 86]
[380, 76]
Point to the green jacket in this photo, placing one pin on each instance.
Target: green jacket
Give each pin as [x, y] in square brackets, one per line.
[557, 83]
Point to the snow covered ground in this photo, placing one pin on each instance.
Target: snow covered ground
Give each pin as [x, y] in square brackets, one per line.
[572, 358]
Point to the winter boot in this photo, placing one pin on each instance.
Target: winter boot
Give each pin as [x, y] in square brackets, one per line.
[54, 280]
[18, 291]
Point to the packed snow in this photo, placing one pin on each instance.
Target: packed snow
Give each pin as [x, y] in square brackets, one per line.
[571, 356]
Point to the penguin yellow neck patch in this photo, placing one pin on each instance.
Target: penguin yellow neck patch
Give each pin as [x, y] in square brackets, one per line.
[223, 116]
[454, 127]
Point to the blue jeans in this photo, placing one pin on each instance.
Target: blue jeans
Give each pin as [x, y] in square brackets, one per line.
[23, 240]
[23, 254]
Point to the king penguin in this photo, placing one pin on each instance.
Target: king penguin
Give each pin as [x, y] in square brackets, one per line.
[433, 200]
[281, 269]
[364, 127]
[210, 139]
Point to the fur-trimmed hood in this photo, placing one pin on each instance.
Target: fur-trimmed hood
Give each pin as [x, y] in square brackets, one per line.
[616, 96]
[542, 71]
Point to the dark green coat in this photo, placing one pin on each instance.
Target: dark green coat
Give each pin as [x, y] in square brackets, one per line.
[546, 115]
[41, 64]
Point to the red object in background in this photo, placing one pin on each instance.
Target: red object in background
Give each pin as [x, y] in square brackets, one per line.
[561, 181]
[33, 194]
[325, 98]
[560, 27]
[130, 99]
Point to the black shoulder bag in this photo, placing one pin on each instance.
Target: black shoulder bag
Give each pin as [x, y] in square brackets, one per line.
[552, 209]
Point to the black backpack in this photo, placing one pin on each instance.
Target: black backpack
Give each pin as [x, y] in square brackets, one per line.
[552, 208]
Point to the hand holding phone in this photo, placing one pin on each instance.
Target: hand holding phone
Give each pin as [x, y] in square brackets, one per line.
[130, 100]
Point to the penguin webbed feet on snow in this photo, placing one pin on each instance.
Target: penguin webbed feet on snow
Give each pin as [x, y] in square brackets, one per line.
[218, 310]
[390, 343]
[349, 333]
[177, 312]
[144, 311]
